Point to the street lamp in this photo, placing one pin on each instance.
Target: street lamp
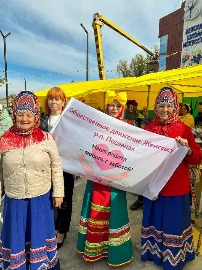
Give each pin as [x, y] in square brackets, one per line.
[86, 51]
[5, 63]
[25, 84]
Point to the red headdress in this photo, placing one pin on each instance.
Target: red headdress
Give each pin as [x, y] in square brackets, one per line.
[172, 125]
[132, 102]
[16, 137]
[167, 95]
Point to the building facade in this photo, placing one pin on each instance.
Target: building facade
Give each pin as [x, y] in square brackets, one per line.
[180, 34]
[192, 34]
[171, 36]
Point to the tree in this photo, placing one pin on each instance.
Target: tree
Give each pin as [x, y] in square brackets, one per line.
[2, 81]
[139, 65]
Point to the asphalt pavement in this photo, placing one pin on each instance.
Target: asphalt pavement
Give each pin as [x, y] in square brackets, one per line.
[70, 260]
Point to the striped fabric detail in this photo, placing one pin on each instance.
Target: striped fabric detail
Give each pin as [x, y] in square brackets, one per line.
[31, 255]
[183, 244]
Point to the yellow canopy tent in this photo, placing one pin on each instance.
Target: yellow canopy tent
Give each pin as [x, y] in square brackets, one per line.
[187, 82]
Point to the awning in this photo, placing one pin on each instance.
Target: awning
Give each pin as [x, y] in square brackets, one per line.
[187, 82]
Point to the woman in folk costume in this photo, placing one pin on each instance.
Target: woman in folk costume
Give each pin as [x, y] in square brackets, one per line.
[104, 224]
[166, 225]
[29, 168]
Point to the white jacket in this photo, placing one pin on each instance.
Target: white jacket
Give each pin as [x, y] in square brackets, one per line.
[32, 171]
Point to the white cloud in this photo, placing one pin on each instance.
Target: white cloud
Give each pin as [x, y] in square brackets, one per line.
[47, 35]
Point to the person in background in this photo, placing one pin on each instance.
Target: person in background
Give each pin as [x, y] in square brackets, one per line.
[198, 118]
[104, 225]
[188, 120]
[143, 123]
[144, 111]
[186, 116]
[54, 104]
[10, 110]
[5, 121]
[30, 168]
[147, 118]
[166, 231]
[180, 109]
[131, 112]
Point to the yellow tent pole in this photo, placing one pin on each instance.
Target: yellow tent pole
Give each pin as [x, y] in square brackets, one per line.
[183, 97]
[199, 243]
[148, 96]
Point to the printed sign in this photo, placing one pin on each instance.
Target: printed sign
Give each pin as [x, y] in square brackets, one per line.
[192, 34]
[100, 148]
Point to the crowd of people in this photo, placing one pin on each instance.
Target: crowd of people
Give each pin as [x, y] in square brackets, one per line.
[38, 192]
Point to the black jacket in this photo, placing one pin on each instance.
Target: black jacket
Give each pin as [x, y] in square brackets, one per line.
[44, 122]
[198, 119]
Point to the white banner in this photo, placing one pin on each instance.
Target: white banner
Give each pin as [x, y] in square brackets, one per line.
[98, 147]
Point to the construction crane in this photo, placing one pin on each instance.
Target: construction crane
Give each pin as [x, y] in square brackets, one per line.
[98, 22]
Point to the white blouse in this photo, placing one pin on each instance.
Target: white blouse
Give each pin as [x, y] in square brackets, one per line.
[52, 121]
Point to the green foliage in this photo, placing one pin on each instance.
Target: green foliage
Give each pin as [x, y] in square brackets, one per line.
[2, 80]
[11, 96]
[138, 66]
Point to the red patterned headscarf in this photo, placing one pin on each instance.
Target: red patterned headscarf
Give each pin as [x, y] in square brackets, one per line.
[16, 137]
[26, 101]
[172, 127]
[167, 95]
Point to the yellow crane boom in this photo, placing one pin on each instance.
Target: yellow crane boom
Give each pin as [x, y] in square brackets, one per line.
[98, 22]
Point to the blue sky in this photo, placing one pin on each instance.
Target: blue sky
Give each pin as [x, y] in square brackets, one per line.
[47, 45]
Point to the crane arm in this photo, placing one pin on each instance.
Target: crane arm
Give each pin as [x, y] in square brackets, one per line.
[98, 43]
[98, 22]
[121, 32]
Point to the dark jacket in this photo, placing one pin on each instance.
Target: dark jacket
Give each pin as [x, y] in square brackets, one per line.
[198, 119]
[44, 122]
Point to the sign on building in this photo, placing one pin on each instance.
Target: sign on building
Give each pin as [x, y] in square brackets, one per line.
[192, 34]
